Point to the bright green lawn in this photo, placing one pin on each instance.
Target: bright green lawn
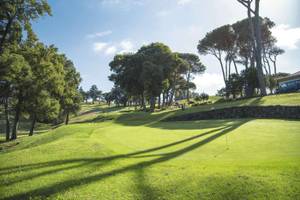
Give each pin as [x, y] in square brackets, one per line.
[122, 154]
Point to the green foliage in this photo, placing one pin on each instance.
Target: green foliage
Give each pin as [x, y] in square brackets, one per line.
[233, 44]
[155, 70]
[94, 93]
[202, 97]
[235, 85]
[16, 16]
[250, 80]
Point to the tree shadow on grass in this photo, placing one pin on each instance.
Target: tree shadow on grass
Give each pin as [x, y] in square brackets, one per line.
[28, 167]
[146, 192]
[72, 183]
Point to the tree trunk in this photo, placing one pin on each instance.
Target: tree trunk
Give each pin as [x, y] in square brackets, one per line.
[226, 70]
[275, 68]
[152, 104]
[235, 66]
[16, 121]
[6, 31]
[274, 64]
[173, 89]
[7, 130]
[257, 44]
[67, 118]
[222, 67]
[163, 99]
[266, 61]
[159, 101]
[32, 124]
[229, 70]
[143, 102]
[188, 88]
[260, 75]
[171, 97]
[247, 63]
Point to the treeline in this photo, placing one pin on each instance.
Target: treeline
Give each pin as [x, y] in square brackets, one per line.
[235, 45]
[36, 81]
[153, 74]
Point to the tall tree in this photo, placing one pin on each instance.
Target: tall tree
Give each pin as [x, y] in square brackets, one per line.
[153, 78]
[71, 98]
[20, 80]
[255, 28]
[16, 16]
[48, 78]
[15, 77]
[194, 67]
[273, 53]
[218, 42]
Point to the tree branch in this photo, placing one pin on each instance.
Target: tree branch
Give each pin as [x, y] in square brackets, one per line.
[247, 3]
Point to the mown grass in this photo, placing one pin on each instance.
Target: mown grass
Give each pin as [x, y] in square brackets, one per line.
[115, 153]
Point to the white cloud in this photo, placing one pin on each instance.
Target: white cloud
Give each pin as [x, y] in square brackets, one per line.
[183, 2]
[209, 83]
[287, 37]
[99, 46]
[111, 50]
[126, 46]
[99, 34]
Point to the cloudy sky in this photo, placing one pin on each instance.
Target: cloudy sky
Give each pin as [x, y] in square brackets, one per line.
[91, 32]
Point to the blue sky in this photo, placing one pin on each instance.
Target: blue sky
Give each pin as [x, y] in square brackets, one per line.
[91, 32]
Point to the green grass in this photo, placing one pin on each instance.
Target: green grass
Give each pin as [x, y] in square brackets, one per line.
[115, 153]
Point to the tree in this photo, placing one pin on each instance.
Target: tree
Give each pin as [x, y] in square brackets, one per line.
[94, 93]
[84, 94]
[255, 28]
[235, 85]
[153, 69]
[16, 15]
[204, 96]
[19, 78]
[119, 96]
[217, 42]
[15, 78]
[271, 82]
[194, 67]
[42, 101]
[71, 98]
[153, 78]
[127, 70]
[273, 54]
[108, 97]
[251, 82]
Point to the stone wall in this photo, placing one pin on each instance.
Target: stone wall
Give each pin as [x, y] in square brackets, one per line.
[264, 112]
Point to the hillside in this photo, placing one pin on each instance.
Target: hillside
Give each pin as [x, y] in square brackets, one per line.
[119, 153]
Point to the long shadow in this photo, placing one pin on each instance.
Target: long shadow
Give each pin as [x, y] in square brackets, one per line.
[94, 110]
[53, 171]
[65, 185]
[144, 189]
[88, 160]
[97, 119]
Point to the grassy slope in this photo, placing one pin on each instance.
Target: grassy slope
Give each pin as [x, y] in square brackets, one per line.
[134, 156]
